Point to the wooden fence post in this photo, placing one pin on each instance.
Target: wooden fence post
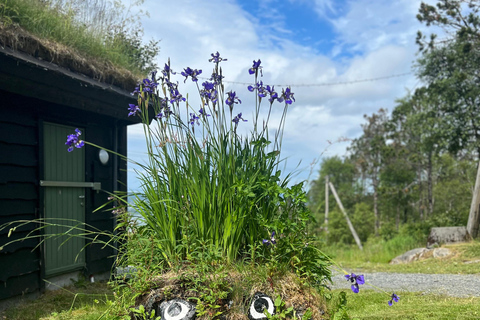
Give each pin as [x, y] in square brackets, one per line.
[474, 216]
[326, 204]
[350, 225]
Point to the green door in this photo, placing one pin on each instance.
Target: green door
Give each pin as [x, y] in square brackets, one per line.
[65, 204]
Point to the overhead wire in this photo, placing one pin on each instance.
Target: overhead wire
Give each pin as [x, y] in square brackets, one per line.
[324, 83]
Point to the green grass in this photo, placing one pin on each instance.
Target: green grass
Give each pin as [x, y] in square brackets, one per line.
[465, 259]
[373, 305]
[87, 302]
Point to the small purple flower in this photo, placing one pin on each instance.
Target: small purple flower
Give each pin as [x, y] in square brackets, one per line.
[216, 58]
[256, 66]
[191, 73]
[209, 92]
[136, 90]
[216, 78]
[167, 70]
[193, 119]
[394, 298]
[73, 141]
[237, 119]
[287, 95]
[273, 95]
[355, 280]
[261, 90]
[232, 99]
[271, 241]
[149, 85]
[133, 109]
[203, 112]
[176, 96]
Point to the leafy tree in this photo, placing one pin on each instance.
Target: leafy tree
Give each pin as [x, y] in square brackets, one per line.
[459, 18]
[367, 152]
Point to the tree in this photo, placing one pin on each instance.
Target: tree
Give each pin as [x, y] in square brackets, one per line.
[367, 153]
[459, 19]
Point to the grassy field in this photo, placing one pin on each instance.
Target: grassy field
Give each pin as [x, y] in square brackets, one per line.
[373, 305]
[86, 302]
[465, 259]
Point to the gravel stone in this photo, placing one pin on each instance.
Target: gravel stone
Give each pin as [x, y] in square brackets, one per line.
[454, 285]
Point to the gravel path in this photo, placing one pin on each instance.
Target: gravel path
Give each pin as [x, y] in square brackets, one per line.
[449, 284]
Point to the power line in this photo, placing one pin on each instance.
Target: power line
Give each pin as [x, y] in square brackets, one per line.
[325, 83]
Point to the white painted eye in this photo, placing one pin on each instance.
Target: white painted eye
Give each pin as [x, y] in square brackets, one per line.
[259, 303]
[177, 309]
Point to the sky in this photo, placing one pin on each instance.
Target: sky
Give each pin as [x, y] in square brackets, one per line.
[343, 59]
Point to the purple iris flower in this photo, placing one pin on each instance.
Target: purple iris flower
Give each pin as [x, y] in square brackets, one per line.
[217, 78]
[203, 112]
[262, 91]
[237, 119]
[273, 95]
[189, 72]
[176, 96]
[232, 99]
[394, 298]
[209, 92]
[167, 71]
[287, 95]
[149, 85]
[133, 109]
[256, 66]
[73, 141]
[193, 119]
[271, 241]
[216, 58]
[355, 280]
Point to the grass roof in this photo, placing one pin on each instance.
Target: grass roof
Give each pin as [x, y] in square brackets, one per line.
[110, 53]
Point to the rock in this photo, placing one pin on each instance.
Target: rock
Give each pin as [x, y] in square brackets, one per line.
[439, 253]
[259, 303]
[176, 309]
[125, 273]
[472, 261]
[409, 256]
[439, 236]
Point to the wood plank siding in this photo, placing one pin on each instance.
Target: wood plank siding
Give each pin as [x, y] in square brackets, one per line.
[33, 94]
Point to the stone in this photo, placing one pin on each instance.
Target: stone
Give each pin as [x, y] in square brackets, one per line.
[259, 303]
[125, 273]
[445, 235]
[439, 253]
[409, 256]
[176, 309]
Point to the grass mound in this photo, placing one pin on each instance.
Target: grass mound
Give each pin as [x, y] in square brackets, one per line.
[228, 293]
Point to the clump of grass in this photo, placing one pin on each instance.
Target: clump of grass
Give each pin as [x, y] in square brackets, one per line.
[376, 250]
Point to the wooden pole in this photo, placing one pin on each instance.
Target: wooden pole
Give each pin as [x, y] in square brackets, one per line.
[350, 225]
[474, 216]
[326, 204]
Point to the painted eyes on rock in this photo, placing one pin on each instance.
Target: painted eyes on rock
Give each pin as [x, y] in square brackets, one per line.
[177, 309]
[260, 302]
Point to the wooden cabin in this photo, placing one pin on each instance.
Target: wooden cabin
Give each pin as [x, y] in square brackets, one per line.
[41, 103]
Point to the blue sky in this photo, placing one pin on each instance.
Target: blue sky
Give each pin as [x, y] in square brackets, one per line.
[318, 43]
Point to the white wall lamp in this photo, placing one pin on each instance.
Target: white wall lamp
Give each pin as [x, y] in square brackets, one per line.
[103, 156]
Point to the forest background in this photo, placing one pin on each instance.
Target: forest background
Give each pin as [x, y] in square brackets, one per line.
[414, 168]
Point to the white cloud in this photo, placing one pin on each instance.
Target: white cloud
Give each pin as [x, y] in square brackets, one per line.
[375, 38]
